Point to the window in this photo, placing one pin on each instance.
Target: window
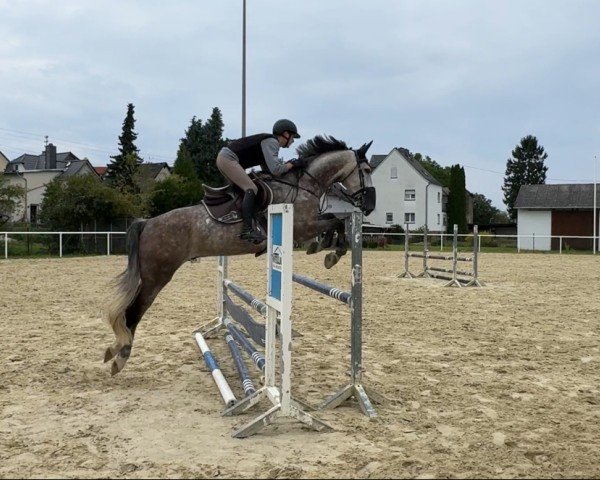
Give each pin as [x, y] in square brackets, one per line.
[389, 217]
[409, 195]
[409, 218]
[438, 218]
[439, 198]
[393, 172]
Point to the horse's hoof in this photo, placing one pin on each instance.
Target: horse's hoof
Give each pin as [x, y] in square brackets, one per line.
[117, 365]
[312, 248]
[114, 369]
[109, 354]
[331, 259]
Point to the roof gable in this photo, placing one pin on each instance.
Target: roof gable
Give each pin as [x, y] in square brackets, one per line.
[377, 160]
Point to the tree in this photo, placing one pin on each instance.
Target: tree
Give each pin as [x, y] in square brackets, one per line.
[483, 210]
[10, 197]
[203, 143]
[80, 200]
[174, 192]
[184, 166]
[526, 167]
[442, 174]
[457, 200]
[121, 170]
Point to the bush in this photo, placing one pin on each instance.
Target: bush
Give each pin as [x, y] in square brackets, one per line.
[174, 192]
[80, 200]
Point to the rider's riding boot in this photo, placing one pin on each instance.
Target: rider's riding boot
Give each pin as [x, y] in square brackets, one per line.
[249, 232]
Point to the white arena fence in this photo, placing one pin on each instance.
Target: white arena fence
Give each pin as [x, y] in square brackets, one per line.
[487, 242]
[39, 243]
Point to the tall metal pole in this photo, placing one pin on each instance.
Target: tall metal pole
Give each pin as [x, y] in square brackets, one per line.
[244, 73]
[595, 216]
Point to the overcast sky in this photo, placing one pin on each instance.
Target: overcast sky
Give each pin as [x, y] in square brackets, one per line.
[461, 81]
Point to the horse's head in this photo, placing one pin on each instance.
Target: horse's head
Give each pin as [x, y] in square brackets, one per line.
[334, 163]
[357, 185]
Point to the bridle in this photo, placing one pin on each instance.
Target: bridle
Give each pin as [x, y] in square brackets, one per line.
[357, 198]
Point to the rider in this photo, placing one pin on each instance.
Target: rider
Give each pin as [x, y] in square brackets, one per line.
[246, 152]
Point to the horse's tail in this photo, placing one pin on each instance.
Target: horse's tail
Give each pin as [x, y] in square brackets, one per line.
[127, 286]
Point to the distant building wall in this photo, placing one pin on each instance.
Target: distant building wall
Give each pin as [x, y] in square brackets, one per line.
[538, 222]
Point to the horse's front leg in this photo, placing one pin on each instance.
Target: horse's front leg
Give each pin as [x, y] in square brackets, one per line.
[329, 226]
[326, 226]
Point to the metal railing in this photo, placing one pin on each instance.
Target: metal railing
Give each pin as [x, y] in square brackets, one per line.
[88, 242]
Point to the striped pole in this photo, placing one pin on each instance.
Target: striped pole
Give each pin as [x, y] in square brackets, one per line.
[248, 298]
[328, 290]
[257, 358]
[211, 363]
[240, 366]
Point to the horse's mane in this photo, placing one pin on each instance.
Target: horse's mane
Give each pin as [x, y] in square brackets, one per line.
[320, 144]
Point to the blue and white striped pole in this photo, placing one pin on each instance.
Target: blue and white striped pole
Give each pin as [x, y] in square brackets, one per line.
[240, 366]
[211, 363]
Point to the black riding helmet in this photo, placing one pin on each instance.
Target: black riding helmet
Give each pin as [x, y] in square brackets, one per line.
[285, 125]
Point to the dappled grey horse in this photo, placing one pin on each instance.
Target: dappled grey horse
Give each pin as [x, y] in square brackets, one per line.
[159, 246]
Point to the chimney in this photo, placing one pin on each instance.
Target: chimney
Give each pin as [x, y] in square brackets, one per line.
[50, 156]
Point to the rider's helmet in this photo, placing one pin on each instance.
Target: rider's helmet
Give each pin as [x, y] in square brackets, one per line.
[285, 125]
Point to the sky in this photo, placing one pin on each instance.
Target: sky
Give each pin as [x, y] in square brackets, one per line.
[460, 81]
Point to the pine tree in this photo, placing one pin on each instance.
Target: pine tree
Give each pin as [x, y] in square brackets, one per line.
[121, 170]
[184, 167]
[212, 143]
[457, 211]
[526, 167]
[203, 142]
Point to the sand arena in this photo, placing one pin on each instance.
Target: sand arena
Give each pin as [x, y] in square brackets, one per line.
[495, 382]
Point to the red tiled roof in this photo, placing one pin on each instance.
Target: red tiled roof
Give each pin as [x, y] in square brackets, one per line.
[100, 170]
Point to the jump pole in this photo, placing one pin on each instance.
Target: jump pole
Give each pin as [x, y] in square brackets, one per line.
[279, 304]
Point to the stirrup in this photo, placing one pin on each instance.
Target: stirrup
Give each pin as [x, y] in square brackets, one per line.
[253, 236]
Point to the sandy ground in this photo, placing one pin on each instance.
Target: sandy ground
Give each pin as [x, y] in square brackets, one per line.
[498, 382]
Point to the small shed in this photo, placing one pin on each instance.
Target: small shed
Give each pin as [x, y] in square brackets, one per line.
[553, 211]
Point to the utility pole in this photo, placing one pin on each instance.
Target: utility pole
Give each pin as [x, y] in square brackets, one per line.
[244, 72]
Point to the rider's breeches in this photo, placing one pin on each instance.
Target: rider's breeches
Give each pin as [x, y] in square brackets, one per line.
[235, 173]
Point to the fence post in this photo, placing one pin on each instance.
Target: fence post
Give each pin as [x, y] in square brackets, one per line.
[108, 244]
[560, 245]
[5, 245]
[60, 244]
[533, 241]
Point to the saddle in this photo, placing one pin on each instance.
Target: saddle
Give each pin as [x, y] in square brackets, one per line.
[224, 204]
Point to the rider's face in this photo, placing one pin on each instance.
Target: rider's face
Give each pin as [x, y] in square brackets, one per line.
[286, 139]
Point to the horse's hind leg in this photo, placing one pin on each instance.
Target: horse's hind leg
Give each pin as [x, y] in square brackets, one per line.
[133, 315]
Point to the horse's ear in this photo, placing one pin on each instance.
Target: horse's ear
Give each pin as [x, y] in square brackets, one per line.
[363, 150]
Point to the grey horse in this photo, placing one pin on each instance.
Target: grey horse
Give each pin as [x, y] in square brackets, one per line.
[160, 245]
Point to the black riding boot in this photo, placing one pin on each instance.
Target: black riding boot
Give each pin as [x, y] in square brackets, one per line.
[249, 232]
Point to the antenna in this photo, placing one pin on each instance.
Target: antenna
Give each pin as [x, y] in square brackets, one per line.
[46, 141]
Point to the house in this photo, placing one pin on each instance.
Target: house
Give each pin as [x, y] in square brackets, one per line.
[406, 193]
[101, 171]
[556, 210]
[146, 175]
[3, 162]
[34, 172]
[154, 171]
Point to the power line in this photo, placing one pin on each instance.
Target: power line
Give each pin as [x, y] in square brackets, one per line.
[551, 179]
[19, 134]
